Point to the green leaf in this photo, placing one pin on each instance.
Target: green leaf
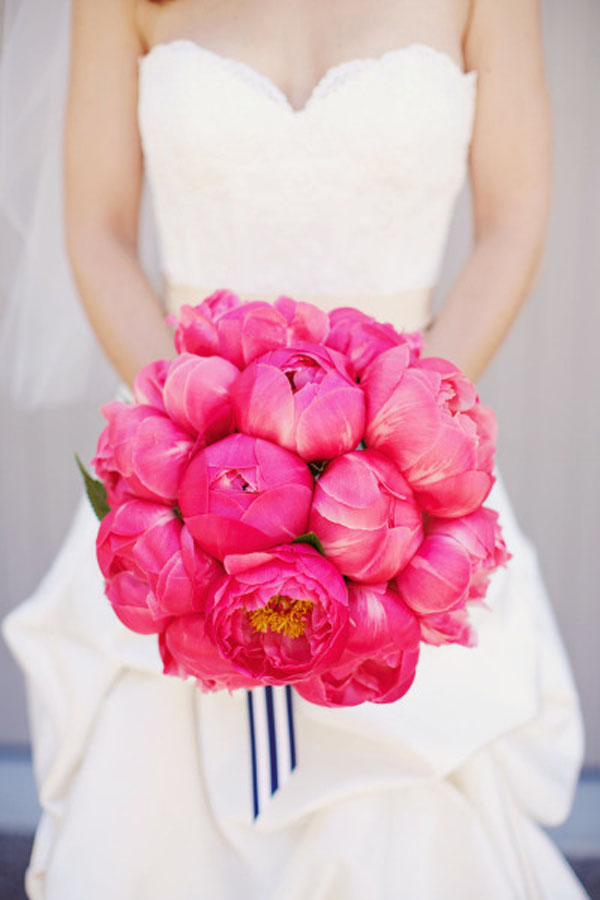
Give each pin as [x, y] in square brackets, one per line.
[310, 538]
[95, 490]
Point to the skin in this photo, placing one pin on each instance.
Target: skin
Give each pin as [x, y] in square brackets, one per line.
[294, 42]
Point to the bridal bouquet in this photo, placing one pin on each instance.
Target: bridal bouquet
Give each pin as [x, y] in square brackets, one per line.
[297, 499]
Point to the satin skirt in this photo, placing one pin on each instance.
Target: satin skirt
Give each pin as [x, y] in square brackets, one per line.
[145, 781]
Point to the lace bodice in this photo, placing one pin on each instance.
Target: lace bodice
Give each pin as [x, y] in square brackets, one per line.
[350, 195]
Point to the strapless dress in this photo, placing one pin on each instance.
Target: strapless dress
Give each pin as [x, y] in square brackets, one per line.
[143, 779]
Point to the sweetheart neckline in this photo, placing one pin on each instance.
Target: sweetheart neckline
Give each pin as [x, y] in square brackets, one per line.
[332, 72]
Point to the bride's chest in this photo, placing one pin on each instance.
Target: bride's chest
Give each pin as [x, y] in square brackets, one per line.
[210, 118]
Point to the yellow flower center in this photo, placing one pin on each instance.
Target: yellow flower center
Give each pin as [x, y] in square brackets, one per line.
[281, 614]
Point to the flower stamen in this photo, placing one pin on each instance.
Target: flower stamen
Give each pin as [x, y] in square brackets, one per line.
[281, 614]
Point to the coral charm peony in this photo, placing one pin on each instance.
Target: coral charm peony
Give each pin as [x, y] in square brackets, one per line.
[297, 499]
[303, 398]
[380, 658]
[243, 607]
[427, 418]
[366, 516]
[243, 493]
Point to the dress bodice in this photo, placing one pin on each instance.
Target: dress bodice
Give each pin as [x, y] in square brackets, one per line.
[350, 196]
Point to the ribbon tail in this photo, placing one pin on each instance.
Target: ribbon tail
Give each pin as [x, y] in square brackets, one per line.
[272, 741]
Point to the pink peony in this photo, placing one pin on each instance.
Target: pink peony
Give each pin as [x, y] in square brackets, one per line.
[195, 330]
[302, 398]
[280, 615]
[438, 576]
[196, 395]
[117, 490]
[128, 593]
[243, 494]
[223, 325]
[303, 321]
[427, 417]
[178, 571]
[187, 651]
[361, 338]
[121, 528]
[365, 516]
[127, 586]
[149, 451]
[481, 536]
[257, 327]
[149, 383]
[450, 627]
[379, 661]
[251, 330]
[149, 542]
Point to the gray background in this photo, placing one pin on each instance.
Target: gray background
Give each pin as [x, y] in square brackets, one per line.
[543, 384]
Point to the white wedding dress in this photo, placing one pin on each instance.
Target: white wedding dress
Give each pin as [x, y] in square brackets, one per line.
[143, 779]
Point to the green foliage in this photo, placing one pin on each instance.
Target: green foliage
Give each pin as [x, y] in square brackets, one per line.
[310, 538]
[95, 490]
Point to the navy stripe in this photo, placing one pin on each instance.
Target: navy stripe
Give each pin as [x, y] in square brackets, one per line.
[272, 738]
[253, 754]
[290, 719]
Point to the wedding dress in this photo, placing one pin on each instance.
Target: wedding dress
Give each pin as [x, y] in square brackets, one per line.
[143, 779]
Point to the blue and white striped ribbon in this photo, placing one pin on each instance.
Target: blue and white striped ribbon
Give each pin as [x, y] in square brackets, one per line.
[272, 741]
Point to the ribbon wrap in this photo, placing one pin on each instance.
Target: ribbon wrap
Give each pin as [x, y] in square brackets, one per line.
[272, 741]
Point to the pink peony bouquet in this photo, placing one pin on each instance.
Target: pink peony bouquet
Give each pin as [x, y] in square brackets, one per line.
[297, 499]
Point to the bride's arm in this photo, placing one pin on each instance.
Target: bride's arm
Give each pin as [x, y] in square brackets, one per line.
[510, 170]
[103, 181]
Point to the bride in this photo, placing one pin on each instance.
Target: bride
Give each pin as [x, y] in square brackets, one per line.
[312, 149]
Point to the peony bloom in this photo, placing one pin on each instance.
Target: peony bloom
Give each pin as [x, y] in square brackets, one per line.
[302, 398]
[427, 417]
[303, 321]
[117, 491]
[379, 661]
[128, 592]
[149, 383]
[222, 325]
[196, 395]
[361, 338]
[365, 516]
[476, 537]
[243, 493]
[251, 330]
[127, 586]
[149, 543]
[280, 615]
[451, 627]
[121, 528]
[149, 451]
[196, 330]
[187, 651]
[481, 536]
[438, 576]
[178, 571]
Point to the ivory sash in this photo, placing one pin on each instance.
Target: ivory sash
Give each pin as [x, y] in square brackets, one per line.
[410, 310]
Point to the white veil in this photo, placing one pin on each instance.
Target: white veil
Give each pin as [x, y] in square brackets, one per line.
[49, 355]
